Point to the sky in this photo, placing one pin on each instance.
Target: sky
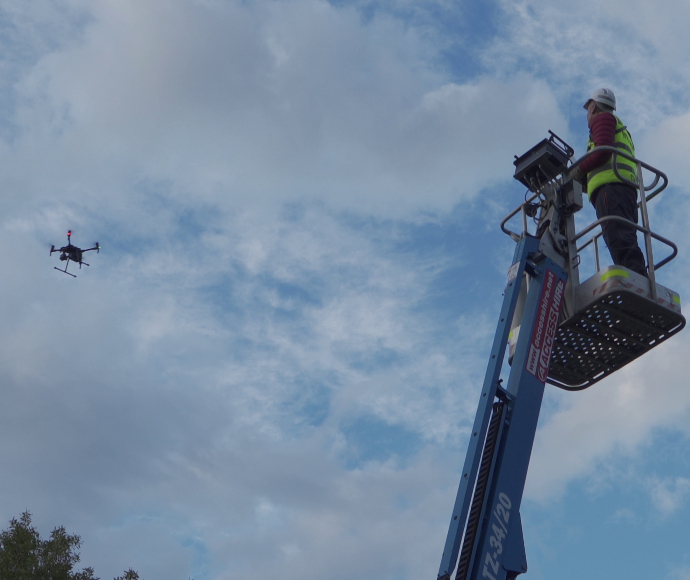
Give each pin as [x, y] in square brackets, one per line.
[272, 365]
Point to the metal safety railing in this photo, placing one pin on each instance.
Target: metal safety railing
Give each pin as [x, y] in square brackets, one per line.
[658, 184]
[656, 187]
[521, 208]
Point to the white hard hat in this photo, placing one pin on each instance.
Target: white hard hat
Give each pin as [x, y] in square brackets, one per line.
[603, 96]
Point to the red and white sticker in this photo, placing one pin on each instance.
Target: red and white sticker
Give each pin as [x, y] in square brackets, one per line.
[545, 326]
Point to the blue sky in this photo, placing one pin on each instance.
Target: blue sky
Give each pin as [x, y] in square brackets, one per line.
[272, 365]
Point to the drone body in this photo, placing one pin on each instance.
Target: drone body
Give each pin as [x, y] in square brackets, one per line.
[70, 252]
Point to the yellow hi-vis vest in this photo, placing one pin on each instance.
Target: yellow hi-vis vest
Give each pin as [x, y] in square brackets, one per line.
[626, 168]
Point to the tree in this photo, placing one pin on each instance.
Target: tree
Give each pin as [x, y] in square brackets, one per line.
[25, 556]
[19, 547]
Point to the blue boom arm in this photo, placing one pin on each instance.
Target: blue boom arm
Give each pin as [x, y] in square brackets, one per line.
[485, 529]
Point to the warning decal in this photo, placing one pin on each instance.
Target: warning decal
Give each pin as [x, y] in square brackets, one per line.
[545, 326]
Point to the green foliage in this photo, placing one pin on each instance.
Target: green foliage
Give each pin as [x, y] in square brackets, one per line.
[128, 575]
[25, 556]
[19, 548]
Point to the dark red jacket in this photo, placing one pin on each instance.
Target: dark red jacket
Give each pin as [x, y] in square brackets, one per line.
[603, 132]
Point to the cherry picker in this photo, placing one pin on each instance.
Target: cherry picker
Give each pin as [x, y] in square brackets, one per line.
[554, 329]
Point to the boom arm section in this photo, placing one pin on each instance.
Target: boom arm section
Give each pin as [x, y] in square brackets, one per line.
[485, 529]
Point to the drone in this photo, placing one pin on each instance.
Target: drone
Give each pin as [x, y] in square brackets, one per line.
[70, 252]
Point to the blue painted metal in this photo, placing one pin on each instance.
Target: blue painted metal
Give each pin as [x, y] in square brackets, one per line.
[498, 552]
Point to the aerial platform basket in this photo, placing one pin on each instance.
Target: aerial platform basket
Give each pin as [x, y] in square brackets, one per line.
[616, 315]
[616, 321]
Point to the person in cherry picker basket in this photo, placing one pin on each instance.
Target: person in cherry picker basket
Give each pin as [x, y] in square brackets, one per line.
[607, 193]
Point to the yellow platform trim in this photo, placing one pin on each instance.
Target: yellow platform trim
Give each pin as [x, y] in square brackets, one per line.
[614, 272]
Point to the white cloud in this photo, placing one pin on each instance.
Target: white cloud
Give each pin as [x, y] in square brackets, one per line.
[634, 49]
[613, 418]
[681, 573]
[247, 103]
[181, 371]
[623, 515]
[667, 146]
[669, 494]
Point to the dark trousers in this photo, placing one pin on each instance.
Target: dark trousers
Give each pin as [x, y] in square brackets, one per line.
[620, 200]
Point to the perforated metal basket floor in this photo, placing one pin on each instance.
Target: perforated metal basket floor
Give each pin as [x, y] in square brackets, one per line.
[619, 325]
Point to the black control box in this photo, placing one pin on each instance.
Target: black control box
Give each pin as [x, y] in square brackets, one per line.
[545, 161]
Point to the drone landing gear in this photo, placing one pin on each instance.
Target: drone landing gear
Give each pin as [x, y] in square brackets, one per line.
[70, 273]
[65, 271]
